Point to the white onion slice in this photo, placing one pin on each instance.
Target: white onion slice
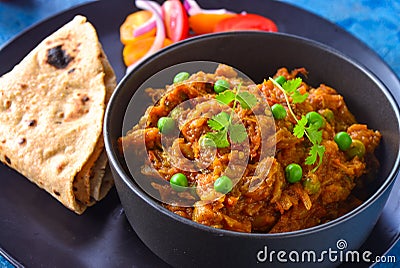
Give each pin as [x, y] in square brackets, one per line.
[193, 8]
[145, 27]
[154, 8]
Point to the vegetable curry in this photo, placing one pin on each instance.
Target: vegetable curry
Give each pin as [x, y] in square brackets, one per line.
[317, 157]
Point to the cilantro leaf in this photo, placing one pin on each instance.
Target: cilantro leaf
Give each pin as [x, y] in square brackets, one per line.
[222, 123]
[291, 85]
[312, 155]
[316, 151]
[220, 138]
[246, 100]
[297, 97]
[226, 97]
[300, 127]
[219, 121]
[314, 134]
[237, 133]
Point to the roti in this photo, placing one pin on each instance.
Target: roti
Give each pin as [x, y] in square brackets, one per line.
[51, 112]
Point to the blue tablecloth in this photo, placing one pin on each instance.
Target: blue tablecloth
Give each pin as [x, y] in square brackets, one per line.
[376, 23]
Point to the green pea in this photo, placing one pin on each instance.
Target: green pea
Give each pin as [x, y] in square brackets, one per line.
[293, 172]
[278, 111]
[328, 114]
[178, 182]
[312, 184]
[314, 118]
[175, 112]
[180, 77]
[280, 80]
[223, 185]
[357, 148]
[166, 125]
[221, 85]
[343, 140]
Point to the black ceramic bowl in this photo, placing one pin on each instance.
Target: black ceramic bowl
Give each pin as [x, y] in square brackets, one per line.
[183, 243]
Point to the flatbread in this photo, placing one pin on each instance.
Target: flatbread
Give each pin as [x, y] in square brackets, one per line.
[51, 112]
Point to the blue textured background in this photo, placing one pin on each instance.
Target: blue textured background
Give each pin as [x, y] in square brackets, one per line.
[375, 22]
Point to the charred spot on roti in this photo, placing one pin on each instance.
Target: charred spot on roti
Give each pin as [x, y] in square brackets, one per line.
[85, 99]
[7, 159]
[56, 193]
[23, 85]
[60, 115]
[61, 166]
[21, 140]
[7, 104]
[71, 70]
[32, 123]
[76, 108]
[58, 57]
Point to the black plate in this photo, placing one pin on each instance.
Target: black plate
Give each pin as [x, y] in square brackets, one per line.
[37, 231]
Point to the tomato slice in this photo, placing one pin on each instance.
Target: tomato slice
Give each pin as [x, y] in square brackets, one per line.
[132, 22]
[175, 20]
[246, 22]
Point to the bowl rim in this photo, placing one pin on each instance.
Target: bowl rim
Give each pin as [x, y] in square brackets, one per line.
[113, 157]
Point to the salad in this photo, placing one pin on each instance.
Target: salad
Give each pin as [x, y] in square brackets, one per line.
[156, 26]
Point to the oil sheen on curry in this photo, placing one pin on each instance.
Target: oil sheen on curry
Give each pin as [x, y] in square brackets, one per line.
[274, 157]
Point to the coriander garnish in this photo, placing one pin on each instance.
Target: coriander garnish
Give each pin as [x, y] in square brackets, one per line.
[303, 126]
[221, 123]
[246, 99]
